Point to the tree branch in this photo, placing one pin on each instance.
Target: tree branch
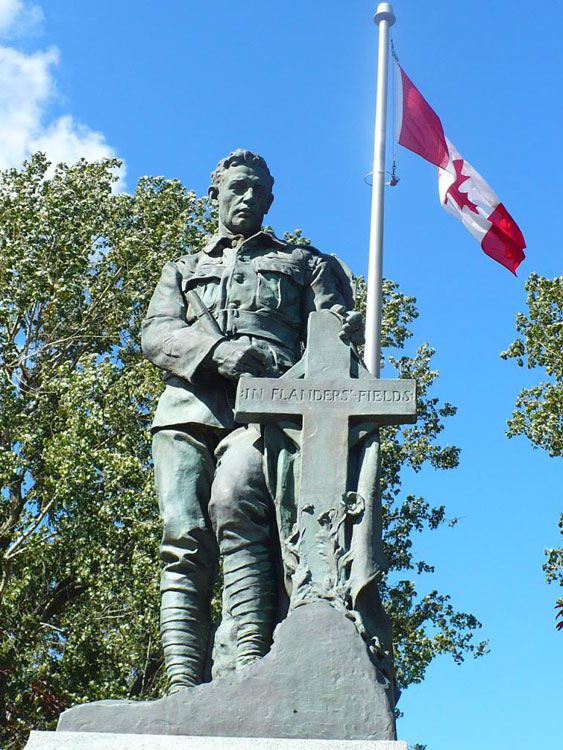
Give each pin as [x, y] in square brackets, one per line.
[12, 551]
[17, 503]
[65, 591]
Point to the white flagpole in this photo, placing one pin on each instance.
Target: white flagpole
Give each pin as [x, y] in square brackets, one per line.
[384, 18]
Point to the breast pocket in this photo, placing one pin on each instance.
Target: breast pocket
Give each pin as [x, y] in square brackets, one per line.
[206, 281]
[279, 283]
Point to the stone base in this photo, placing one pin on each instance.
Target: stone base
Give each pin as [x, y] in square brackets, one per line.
[99, 741]
[317, 682]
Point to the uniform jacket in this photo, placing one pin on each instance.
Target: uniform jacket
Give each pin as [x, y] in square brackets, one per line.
[259, 288]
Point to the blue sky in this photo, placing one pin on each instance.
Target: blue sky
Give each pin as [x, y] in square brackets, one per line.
[172, 87]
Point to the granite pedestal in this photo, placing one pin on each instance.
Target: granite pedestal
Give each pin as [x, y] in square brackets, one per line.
[99, 741]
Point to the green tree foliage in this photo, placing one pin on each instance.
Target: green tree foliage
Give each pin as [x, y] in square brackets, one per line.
[539, 409]
[79, 527]
[428, 625]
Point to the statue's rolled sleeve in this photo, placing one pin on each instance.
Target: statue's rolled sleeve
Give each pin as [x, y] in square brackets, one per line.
[322, 292]
[167, 340]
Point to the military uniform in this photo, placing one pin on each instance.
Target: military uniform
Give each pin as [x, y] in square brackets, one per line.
[209, 471]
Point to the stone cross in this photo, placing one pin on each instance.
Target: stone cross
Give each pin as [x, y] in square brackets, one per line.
[321, 391]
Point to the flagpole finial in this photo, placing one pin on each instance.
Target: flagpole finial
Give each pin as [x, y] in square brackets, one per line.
[384, 13]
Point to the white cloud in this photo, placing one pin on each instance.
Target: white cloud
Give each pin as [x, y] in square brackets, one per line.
[8, 11]
[18, 18]
[27, 87]
[67, 140]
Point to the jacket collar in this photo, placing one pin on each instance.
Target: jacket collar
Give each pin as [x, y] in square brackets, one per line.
[219, 241]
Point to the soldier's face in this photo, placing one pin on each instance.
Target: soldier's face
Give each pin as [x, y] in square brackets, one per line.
[244, 198]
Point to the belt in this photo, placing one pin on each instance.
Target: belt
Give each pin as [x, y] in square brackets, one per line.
[261, 325]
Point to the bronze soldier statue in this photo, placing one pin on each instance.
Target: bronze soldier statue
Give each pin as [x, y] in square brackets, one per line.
[209, 472]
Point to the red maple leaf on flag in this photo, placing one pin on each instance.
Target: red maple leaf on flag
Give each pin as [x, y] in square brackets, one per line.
[461, 199]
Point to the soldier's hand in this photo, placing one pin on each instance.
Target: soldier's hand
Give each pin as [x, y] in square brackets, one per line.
[236, 358]
[353, 327]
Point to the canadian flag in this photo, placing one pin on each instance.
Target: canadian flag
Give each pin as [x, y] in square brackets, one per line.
[463, 192]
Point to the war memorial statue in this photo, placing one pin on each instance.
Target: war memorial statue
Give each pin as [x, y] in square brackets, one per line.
[209, 470]
[266, 457]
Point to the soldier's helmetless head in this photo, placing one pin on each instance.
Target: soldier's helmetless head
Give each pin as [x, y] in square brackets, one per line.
[242, 184]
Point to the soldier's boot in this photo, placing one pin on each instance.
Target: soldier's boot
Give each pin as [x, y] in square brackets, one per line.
[250, 596]
[184, 628]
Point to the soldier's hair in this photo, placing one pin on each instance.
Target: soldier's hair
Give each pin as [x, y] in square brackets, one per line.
[238, 158]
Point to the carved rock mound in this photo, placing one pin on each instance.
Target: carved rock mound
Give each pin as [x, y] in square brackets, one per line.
[317, 682]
